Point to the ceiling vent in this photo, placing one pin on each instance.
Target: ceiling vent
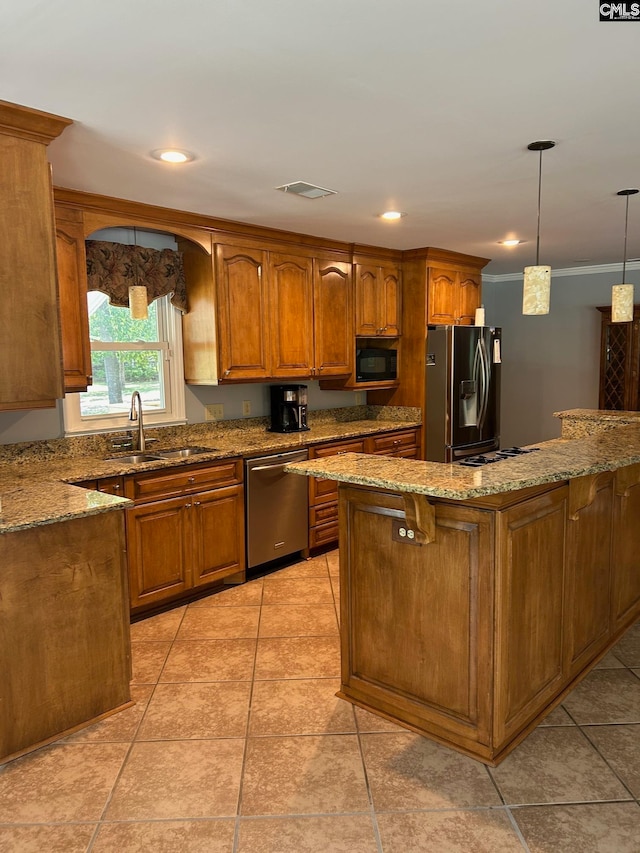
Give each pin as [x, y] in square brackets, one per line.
[306, 190]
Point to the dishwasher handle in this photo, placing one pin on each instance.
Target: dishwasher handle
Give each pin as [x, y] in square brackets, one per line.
[268, 467]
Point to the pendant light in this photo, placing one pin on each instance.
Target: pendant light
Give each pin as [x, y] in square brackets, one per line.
[537, 279]
[622, 294]
[138, 304]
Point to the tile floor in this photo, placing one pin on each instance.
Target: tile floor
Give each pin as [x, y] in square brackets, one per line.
[237, 744]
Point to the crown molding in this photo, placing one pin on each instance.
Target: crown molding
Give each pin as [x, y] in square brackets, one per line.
[568, 271]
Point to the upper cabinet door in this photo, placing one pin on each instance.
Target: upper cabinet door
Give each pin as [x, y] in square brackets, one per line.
[469, 296]
[377, 297]
[242, 313]
[391, 295]
[442, 297]
[291, 292]
[72, 286]
[333, 318]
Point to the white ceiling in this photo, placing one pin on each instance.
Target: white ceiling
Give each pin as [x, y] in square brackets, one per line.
[422, 106]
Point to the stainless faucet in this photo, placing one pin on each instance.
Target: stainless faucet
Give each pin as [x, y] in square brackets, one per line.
[137, 416]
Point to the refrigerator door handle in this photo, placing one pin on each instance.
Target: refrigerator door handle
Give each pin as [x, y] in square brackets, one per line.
[484, 383]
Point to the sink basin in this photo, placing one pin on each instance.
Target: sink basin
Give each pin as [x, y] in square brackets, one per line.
[134, 458]
[183, 452]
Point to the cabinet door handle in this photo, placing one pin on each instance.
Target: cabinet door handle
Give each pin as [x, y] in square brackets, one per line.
[227, 372]
[197, 503]
[191, 480]
[187, 506]
[116, 488]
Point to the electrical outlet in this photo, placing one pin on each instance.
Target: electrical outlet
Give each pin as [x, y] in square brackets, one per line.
[361, 398]
[246, 407]
[214, 412]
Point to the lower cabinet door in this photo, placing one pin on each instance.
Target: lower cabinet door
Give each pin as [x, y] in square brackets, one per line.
[626, 547]
[157, 536]
[218, 534]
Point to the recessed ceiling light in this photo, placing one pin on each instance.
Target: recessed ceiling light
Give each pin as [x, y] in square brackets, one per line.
[172, 155]
[392, 215]
[510, 243]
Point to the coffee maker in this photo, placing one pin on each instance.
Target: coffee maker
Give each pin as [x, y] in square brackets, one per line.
[288, 408]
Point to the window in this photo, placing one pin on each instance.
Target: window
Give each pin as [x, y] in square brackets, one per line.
[126, 356]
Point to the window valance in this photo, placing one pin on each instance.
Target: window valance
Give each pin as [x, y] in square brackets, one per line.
[114, 267]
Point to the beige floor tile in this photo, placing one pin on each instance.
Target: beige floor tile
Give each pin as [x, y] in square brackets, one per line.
[406, 771]
[333, 562]
[303, 775]
[246, 594]
[120, 727]
[313, 567]
[609, 661]
[193, 836]
[482, 831]
[558, 717]
[52, 839]
[196, 710]
[147, 659]
[556, 765]
[302, 620]
[605, 696]
[628, 648]
[298, 657]
[296, 590]
[620, 747]
[366, 721]
[293, 707]
[164, 626]
[337, 834]
[210, 623]
[592, 828]
[210, 660]
[179, 779]
[63, 782]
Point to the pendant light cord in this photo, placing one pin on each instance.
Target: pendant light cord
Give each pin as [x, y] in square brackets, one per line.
[624, 255]
[539, 198]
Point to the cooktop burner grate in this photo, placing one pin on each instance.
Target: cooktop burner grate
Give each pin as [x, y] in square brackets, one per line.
[489, 458]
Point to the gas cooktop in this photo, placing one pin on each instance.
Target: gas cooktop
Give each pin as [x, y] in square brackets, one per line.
[495, 456]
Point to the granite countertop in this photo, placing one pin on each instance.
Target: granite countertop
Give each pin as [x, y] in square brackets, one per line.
[612, 415]
[36, 480]
[556, 460]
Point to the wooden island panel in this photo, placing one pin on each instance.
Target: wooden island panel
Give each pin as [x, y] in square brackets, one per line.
[64, 629]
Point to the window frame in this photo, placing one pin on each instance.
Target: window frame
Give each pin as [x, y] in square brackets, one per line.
[169, 343]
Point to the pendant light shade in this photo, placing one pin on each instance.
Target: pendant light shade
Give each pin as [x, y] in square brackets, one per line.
[537, 279]
[622, 294]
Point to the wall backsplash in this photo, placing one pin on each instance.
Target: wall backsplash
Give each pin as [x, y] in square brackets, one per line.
[42, 424]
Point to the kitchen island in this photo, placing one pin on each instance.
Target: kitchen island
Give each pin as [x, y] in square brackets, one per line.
[474, 600]
[65, 658]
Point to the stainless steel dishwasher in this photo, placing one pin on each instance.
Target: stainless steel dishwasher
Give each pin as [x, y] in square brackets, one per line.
[277, 515]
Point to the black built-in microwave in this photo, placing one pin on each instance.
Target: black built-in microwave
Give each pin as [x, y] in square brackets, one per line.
[375, 364]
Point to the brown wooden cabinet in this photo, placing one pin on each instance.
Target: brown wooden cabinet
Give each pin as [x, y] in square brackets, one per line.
[185, 531]
[292, 312]
[619, 362]
[30, 339]
[243, 313]
[332, 317]
[72, 285]
[377, 300]
[453, 296]
[625, 591]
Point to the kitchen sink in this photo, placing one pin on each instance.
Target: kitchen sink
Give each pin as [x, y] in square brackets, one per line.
[183, 452]
[135, 458]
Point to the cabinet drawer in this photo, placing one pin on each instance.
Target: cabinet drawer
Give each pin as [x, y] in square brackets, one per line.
[356, 446]
[324, 491]
[181, 481]
[323, 514]
[324, 534]
[109, 485]
[393, 442]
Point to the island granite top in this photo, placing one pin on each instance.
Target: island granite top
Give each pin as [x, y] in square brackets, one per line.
[554, 461]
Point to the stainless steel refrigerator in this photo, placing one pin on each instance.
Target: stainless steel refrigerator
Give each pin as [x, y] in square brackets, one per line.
[462, 403]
